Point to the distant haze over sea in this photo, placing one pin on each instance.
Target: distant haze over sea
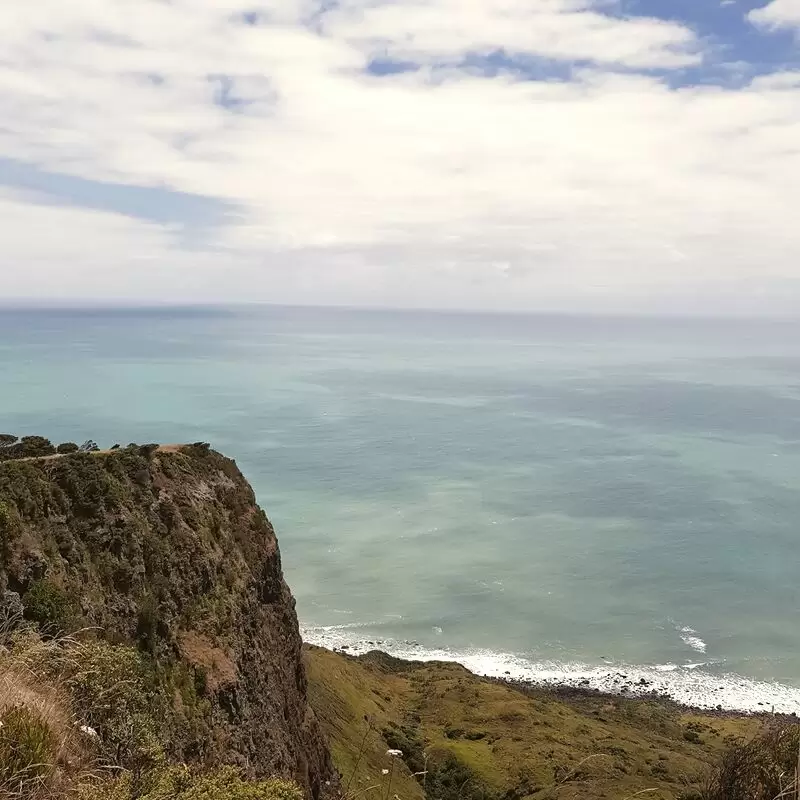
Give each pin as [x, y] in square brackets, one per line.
[608, 501]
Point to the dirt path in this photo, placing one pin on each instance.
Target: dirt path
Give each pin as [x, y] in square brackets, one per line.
[162, 448]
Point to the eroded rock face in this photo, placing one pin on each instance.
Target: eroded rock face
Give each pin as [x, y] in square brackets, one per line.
[168, 549]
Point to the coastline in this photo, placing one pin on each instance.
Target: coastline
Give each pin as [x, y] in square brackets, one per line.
[689, 686]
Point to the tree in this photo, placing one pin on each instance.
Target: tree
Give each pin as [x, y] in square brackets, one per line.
[33, 446]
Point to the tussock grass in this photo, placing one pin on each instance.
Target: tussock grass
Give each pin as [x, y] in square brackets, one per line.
[765, 768]
[41, 747]
[27, 752]
[44, 752]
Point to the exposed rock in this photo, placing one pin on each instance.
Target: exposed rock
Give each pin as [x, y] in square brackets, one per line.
[11, 609]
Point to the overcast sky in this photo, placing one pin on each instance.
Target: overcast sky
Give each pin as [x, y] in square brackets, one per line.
[628, 155]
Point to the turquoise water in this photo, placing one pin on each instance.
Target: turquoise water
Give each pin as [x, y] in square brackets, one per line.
[549, 496]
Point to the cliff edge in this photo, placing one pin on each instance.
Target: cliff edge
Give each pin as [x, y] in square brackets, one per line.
[166, 549]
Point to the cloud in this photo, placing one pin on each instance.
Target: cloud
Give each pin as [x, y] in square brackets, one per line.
[777, 14]
[598, 186]
[447, 30]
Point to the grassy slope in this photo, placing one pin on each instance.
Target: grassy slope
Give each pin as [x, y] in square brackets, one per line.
[354, 703]
[517, 744]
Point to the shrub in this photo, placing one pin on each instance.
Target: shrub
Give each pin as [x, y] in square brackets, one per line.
[114, 692]
[48, 606]
[446, 776]
[147, 623]
[35, 446]
[111, 689]
[67, 447]
[26, 447]
[27, 750]
[182, 783]
[227, 783]
[9, 521]
[9, 530]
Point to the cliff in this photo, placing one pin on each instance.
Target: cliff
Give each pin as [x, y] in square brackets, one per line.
[165, 550]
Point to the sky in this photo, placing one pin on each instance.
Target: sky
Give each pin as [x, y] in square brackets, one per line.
[577, 155]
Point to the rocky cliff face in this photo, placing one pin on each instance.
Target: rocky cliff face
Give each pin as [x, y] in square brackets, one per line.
[167, 548]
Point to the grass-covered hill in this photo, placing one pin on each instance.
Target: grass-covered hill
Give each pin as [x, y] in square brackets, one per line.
[480, 739]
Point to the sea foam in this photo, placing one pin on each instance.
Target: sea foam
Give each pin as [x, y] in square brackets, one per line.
[689, 637]
[689, 684]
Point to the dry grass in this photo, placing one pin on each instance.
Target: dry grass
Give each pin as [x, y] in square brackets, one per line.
[216, 665]
[20, 689]
[42, 748]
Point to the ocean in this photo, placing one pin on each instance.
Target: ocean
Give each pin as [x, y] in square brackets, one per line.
[605, 502]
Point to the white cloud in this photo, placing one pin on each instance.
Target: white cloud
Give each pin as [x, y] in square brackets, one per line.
[446, 30]
[777, 14]
[434, 187]
[57, 251]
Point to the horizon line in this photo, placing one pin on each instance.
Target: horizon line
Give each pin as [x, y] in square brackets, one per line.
[120, 304]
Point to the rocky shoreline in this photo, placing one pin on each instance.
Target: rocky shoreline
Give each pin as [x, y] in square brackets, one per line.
[566, 691]
[689, 686]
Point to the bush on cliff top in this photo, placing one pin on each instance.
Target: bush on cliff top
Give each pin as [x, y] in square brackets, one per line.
[26, 447]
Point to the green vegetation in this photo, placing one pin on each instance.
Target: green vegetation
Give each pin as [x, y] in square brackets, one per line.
[48, 606]
[116, 693]
[27, 750]
[85, 702]
[91, 720]
[26, 447]
[479, 738]
[182, 783]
